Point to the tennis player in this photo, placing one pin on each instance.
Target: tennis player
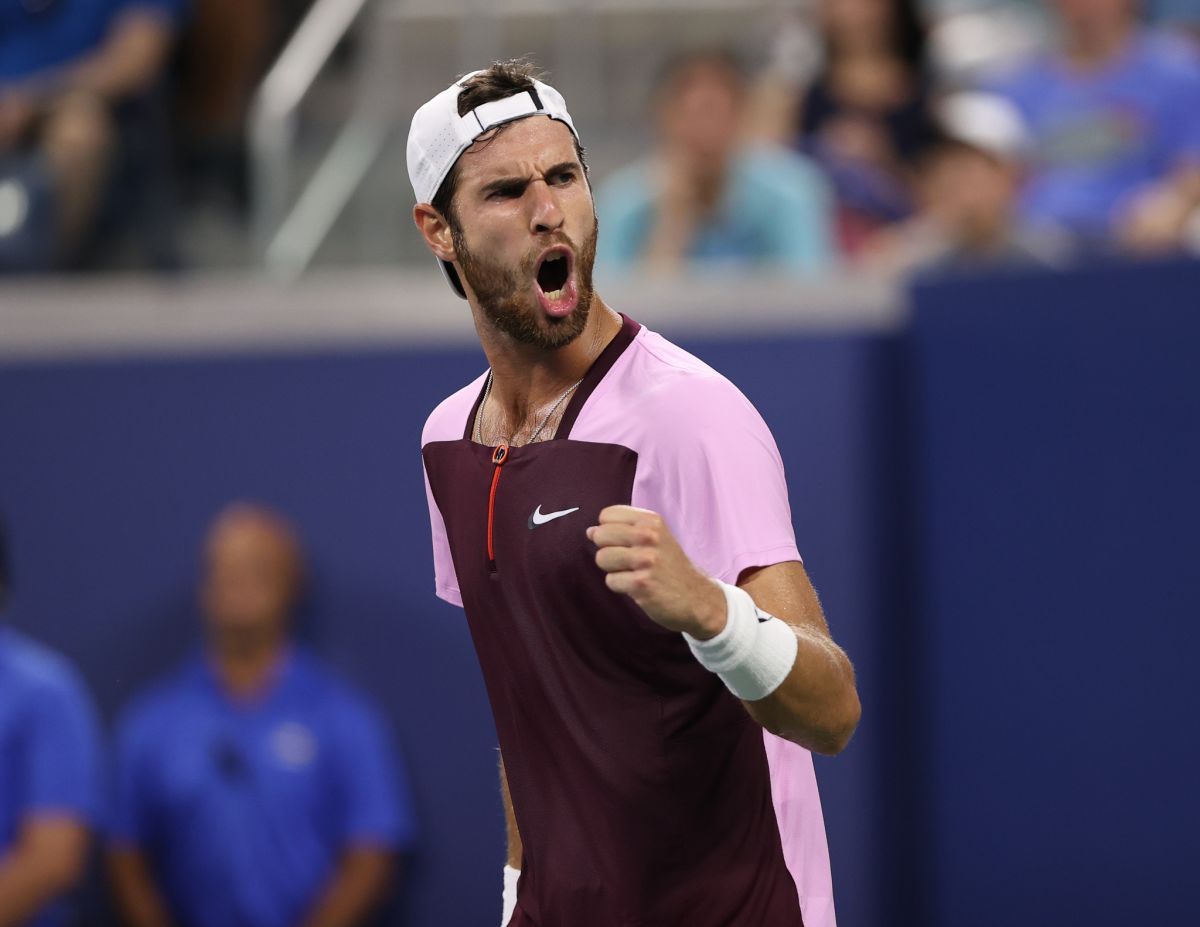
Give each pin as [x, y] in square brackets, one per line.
[612, 515]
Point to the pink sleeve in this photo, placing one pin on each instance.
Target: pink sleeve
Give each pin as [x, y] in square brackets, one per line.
[445, 581]
[711, 468]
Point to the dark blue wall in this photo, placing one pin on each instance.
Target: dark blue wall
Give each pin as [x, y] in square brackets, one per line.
[1057, 447]
[998, 508]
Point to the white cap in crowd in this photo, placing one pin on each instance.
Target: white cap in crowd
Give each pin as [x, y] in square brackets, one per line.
[985, 121]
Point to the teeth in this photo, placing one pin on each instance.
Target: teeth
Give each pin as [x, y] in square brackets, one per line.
[553, 295]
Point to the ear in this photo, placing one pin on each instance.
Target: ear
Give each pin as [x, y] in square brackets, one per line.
[435, 230]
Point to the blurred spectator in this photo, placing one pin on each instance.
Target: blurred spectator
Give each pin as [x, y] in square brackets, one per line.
[860, 109]
[1115, 114]
[254, 787]
[222, 57]
[968, 186]
[703, 197]
[73, 76]
[49, 777]
[970, 39]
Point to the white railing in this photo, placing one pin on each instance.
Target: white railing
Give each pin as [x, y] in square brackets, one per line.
[278, 231]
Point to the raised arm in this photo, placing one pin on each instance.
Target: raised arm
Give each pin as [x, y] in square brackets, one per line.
[817, 704]
[811, 698]
[129, 61]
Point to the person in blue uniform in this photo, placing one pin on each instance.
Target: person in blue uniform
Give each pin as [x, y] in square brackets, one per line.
[254, 787]
[49, 774]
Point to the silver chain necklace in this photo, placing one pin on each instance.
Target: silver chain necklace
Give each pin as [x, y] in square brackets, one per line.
[487, 391]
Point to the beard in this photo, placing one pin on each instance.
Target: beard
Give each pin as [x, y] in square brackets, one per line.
[504, 292]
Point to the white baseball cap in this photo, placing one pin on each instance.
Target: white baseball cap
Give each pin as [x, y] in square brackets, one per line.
[987, 122]
[439, 135]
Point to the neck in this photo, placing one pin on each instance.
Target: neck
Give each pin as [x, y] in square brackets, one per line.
[525, 378]
[245, 665]
[1098, 43]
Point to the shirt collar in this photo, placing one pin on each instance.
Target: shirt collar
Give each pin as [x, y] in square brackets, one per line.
[277, 682]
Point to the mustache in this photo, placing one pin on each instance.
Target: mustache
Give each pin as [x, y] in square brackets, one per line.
[529, 263]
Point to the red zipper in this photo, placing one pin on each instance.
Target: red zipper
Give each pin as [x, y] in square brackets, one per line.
[499, 455]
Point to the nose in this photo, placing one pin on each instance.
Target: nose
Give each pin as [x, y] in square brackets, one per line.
[545, 214]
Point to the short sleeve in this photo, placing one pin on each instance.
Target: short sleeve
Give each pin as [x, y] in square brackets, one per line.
[129, 820]
[61, 765]
[444, 577]
[377, 810]
[714, 473]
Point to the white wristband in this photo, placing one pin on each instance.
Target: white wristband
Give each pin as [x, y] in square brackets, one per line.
[510, 894]
[754, 652]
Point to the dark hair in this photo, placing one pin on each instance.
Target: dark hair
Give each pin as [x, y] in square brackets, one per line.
[502, 80]
[908, 35]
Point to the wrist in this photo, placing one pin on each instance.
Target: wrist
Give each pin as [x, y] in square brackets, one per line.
[711, 611]
[512, 876]
[753, 654]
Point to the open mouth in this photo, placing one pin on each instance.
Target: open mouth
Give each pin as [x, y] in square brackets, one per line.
[556, 288]
[553, 273]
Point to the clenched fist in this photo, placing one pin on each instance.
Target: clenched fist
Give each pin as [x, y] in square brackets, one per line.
[643, 560]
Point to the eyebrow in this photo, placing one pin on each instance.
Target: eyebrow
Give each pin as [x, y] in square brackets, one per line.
[503, 183]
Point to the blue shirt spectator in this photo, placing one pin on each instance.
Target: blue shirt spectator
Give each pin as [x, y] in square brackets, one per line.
[775, 210]
[49, 756]
[1106, 134]
[254, 788]
[244, 808]
[703, 198]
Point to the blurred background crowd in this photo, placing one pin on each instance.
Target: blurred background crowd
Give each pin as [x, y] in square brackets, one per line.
[900, 141]
[251, 785]
[886, 135]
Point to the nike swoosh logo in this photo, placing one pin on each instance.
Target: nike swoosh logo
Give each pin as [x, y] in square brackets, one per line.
[537, 518]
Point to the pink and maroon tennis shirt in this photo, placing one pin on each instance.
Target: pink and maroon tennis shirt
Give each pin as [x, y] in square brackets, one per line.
[646, 796]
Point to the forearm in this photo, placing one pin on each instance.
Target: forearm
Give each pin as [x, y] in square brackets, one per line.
[137, 897]
[783, 664]
[515, 848]
[1185, 181]
[25, 888]
[46, 861]
[357, 888]
[668, 242]
[128, 62]
[1156, 220]
[816, 704]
